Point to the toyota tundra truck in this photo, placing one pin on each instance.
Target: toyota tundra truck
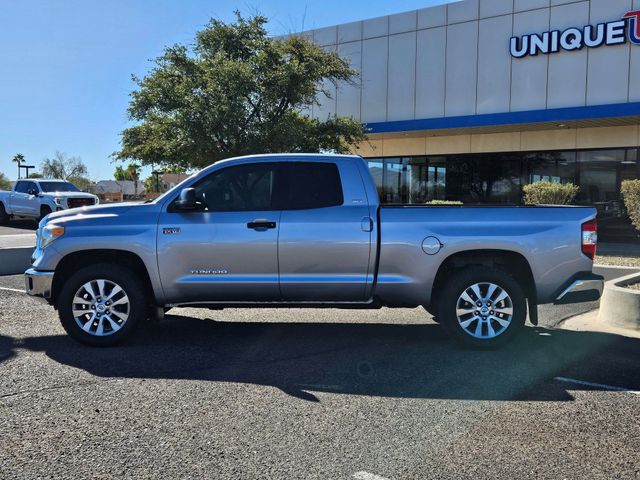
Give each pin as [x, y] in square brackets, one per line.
[309, 231]
[35, 198]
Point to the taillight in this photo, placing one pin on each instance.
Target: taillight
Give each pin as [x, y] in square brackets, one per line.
[590, 238]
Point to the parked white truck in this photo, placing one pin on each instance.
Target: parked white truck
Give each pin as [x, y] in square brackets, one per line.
[37, 198]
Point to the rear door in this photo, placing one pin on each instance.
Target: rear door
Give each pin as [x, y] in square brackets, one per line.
[325, 233]
[228, 252]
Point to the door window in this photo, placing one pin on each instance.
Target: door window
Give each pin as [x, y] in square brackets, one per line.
[239, 189]
[21, 187]
[31, 186]
[312, 185]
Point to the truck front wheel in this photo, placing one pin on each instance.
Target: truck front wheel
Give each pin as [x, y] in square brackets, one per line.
[100, 305]
[482, 307]
[44, 211]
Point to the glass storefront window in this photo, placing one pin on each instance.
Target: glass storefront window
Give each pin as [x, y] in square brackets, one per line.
[599, 175]
[393, 181]
[557, 167]
[376, 169]
[498, 178]
[485, 178]
[437, 183]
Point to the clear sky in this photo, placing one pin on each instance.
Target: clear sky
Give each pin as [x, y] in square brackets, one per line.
[66, 65]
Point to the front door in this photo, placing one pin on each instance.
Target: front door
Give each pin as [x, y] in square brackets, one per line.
[228, 251]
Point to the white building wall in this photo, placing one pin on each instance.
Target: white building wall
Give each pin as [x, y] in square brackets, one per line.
[453, 60]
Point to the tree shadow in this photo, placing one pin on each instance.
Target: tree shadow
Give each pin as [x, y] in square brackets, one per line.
[406, 361]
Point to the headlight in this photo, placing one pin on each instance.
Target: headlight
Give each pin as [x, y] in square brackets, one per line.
[49, 234]
[58, 201]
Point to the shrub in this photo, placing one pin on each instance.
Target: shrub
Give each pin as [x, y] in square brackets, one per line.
[549, 193]
[631, 194]
[444, 202]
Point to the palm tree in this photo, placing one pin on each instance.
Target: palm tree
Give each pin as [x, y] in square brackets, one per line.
[19, 159]
[133, 171]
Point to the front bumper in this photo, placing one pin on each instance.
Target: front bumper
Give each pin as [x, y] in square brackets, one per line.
[38, 284]
[585, 288]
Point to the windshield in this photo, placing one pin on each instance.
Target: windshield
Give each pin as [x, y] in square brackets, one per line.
[58, 187]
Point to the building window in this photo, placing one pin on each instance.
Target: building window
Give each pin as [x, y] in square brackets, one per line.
[485, 178]
[556, 167]
[409, 180]
[499, 177]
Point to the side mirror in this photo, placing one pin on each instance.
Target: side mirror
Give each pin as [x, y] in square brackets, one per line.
[187, 201]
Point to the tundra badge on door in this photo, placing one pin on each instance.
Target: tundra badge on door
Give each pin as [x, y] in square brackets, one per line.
[171, 230]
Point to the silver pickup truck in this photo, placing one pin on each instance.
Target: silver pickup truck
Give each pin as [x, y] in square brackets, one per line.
[309, 231]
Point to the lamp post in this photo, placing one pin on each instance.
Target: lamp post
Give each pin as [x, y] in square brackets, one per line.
[26, 168]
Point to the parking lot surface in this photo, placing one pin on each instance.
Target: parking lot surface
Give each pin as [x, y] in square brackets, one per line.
[324, 394]
[16, 227]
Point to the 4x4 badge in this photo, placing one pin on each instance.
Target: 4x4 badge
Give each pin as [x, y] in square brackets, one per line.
[171, 231]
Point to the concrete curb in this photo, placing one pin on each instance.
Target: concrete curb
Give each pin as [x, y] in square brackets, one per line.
[590, 322]
[620, 306]
[14, 261]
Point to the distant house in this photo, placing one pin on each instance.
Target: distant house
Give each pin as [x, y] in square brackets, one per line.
[118, 190]
[173, 179]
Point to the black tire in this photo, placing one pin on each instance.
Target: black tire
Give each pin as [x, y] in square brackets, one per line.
[123, 277]
[4, 218]
[44, 211]
[458, 283]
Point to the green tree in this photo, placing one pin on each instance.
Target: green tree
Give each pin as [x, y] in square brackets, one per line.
[19, 159]
[235, 92]
[35, 175]
[5, 184]
[63, 167]
[131, 172]
[83, 183]
[151, 185]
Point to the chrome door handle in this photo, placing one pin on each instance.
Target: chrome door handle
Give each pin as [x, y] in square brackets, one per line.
[261, 225]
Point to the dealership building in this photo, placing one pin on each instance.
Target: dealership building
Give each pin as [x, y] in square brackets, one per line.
[474, 99]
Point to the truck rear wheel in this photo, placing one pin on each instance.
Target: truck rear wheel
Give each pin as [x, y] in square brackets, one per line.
[482, 307]
[4, 218]
[100, 305]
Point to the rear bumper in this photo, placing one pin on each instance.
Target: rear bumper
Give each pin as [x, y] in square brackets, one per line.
[38, 284]
[584, 288]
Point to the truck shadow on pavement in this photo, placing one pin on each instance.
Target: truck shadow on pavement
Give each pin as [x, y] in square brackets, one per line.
[408, 361]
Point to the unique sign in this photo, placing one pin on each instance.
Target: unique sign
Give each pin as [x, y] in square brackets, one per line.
[577, 38]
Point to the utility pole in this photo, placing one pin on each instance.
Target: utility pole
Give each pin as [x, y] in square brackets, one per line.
[157, 174]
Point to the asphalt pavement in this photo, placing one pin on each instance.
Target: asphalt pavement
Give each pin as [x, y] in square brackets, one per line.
[16, 227]
[324, 394]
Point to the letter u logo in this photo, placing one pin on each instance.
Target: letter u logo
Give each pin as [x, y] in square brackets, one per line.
[519, 46]
[634, 26]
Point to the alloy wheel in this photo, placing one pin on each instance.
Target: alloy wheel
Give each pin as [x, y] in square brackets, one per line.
[101, 307]
[484, 310]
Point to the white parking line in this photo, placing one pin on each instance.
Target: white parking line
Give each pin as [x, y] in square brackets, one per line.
[12, 289]
[596, 385]
[367, 476]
